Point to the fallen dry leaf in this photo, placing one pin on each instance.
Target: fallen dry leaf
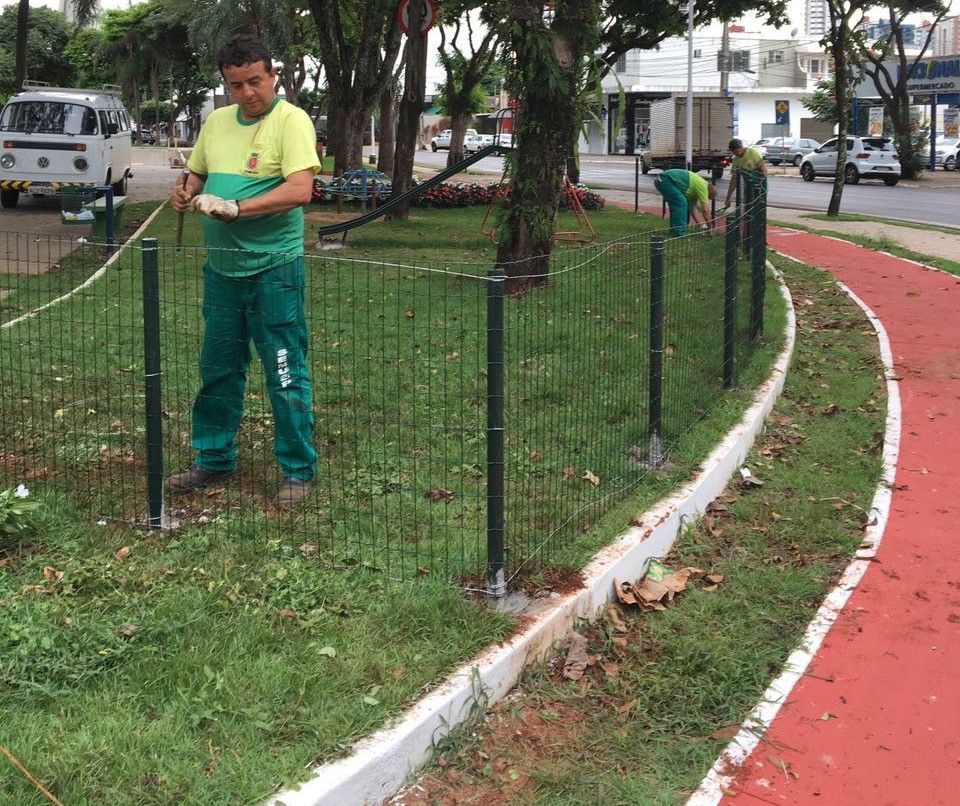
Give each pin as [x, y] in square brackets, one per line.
[588, 476]
[655, 591]
[717, 507]
[726, 733]
[624, 592]
[52, 574]
[626, 707]
[577, 660]
[438, 495]
[612, 614]
[122, 553]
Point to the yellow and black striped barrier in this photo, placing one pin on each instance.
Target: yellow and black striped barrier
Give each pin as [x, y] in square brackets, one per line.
[24, 185]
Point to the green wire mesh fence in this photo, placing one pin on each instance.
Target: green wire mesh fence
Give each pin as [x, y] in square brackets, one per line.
[96, 392]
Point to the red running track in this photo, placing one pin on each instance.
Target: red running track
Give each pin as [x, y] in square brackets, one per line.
[875, 718]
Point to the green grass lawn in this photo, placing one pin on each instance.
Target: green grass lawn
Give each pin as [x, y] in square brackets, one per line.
[215, 663]
[665, 691]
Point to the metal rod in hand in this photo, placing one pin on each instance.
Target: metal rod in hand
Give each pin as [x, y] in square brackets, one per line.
[183, 183]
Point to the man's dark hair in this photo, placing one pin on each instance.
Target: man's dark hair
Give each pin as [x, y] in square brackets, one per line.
[243, 49]
[735, 144]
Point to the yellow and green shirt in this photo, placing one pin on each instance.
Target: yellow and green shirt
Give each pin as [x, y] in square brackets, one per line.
[749, 160]
[243, 158]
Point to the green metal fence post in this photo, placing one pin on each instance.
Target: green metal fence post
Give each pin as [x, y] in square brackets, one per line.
[730, 302]
[655, 408]
[636, 185]
[151, 369]
[496, 585]
[758, 256]
[111, 241]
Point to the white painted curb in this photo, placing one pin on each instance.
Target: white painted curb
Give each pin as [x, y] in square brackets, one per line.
[383, 762]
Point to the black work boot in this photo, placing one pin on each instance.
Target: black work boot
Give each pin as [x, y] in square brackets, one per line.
[292, 492]
[195, 478]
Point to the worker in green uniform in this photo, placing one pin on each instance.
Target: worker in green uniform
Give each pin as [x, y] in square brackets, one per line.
[686, 193]
[744, 159]
[250, 174]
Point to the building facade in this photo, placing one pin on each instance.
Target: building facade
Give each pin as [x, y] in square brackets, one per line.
[759, 72]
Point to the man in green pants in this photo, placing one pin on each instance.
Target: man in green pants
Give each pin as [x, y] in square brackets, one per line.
[251, 172]
[685, 191]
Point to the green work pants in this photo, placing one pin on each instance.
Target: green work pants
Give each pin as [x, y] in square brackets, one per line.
[267, 309]
[676, 201]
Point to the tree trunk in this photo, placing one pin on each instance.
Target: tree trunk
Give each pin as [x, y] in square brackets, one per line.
[546, 90]
[458, 130]
[388, 128]
[411, 107]
[23, 22]
[358, 55]
[349, 127]
[841, 87]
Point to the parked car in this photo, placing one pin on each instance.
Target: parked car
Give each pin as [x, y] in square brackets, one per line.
[946, 152]
[764, 145]
[790, 150]
[867, 158]
[785, 149]
[477, 141]
[505, 139]
[442, 140]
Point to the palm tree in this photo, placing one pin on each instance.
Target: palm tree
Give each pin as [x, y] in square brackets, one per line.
[23, 17]
[84, 13]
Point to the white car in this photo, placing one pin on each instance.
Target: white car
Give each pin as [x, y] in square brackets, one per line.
[442, 140]
[867, 158]
[477, 141]
[946, 152]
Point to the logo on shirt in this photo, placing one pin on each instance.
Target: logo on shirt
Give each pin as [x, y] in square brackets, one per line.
[252, 161]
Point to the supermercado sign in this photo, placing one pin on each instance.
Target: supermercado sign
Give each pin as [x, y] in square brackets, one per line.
[927, 76]
[935, 75]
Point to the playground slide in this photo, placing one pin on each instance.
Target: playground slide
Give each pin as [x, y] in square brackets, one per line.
[416, 190]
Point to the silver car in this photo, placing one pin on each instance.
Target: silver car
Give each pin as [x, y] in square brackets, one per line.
[790, 150]
[946, 152]
[867, 158]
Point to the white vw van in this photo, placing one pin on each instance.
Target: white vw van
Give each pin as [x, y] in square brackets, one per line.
[55, 137]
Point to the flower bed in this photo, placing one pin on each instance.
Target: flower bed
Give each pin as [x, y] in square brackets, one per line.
[467, 194]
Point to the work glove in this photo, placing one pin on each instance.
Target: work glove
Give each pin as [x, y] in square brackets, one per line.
[215, 207]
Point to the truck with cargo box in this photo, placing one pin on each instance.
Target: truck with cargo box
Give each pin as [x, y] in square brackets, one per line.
[712, 130]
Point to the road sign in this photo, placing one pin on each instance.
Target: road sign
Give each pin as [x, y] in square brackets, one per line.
[782, 109]
[427, 19]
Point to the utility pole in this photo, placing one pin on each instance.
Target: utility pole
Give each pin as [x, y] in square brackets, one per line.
[725, 59]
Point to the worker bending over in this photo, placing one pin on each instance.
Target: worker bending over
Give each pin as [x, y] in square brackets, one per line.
[685, 193]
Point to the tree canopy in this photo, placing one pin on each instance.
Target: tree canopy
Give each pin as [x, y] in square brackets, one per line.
[45, 42]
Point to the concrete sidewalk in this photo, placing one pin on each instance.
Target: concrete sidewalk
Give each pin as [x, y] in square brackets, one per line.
[931, 242]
